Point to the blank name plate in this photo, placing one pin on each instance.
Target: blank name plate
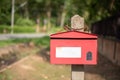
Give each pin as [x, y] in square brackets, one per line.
[68, 52]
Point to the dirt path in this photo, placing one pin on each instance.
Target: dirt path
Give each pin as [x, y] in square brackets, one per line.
[37, 67]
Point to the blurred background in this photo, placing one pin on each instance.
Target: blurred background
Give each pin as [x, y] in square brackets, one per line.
[24, 55]
[29, 16]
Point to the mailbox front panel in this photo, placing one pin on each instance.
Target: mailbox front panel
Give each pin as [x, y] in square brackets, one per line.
[73, 51]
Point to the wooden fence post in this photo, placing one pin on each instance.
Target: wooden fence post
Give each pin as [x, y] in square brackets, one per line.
[77, 71]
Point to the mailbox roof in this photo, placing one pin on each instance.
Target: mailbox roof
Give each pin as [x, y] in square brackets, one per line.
[73, 34]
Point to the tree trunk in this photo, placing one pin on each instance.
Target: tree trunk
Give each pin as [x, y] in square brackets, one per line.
[58, 19]
[37, 26]
[26, 13]
[49, 18]
[63, 18]
[64, 12]
[12, 15]
[48, 12]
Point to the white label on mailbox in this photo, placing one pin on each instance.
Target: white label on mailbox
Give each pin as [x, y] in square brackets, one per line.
[68, 52]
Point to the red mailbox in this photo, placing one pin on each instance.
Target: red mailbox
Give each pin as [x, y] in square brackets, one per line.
[73, 47]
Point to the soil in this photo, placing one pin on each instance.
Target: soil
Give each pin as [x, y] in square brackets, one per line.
[13, 53]
[27, 69]
[104, 70]
[35, 67]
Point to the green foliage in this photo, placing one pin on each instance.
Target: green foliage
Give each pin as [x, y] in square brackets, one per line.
[38, 1]
[24, 29]
[24, 22]
[27, 29]
[44, 41]
[4, 28]
[5, 43]
[17, 29]
[55, 30]
[5, 11]
[91, 10]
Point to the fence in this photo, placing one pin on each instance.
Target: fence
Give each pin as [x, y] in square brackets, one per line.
[110, 48]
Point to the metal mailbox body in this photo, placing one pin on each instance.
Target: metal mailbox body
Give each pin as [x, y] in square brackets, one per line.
[73, 47]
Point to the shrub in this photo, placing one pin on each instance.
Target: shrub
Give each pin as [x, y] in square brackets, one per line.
[24, 29]
[5, 29]
[24, 22]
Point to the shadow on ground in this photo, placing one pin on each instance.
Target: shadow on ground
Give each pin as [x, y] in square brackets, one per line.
[45, 54]
[104, 70]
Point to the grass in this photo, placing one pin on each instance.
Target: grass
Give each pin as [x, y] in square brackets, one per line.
[17, 29]
[55, 30]
[28, 29]
[44, 41]
[42, 70]
[35, 68]
[24, 29]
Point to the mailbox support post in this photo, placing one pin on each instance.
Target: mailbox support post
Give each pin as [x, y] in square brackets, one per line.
[77, 71]
[74, 47]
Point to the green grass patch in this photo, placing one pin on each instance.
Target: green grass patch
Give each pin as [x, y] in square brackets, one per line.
[28, 29]
[5, 43]
[44, 41]
[17, 29]
[32, 29]
[24, 29]
[55, 30]
[5, 28]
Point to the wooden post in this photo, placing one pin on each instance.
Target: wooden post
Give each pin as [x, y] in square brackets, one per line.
[77, 23]
[77, 72]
